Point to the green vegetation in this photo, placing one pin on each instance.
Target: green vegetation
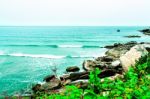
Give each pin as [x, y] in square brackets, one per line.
[134, 85]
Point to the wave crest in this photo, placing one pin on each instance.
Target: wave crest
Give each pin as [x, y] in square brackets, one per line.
[57, 46]
[47, 56]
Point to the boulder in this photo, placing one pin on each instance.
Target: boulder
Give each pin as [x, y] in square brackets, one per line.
[79, 75]
[134, 54]
[89, 64]
[121, 49]
[73, 69]
[53, 84]
[116, 52]
[107, 73]
[49, 78]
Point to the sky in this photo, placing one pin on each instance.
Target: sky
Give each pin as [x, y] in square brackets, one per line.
[74, 12]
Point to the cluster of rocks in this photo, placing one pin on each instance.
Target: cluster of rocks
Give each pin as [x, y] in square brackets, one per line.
[145, 31]
[116, 61]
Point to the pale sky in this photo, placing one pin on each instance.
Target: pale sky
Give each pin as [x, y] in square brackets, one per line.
[74, 12]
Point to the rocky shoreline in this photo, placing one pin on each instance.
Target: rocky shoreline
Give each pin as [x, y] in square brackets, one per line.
[116, 61]
[145, 31]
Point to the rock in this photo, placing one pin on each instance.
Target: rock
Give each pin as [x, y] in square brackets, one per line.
[145, 31]
[148, 49]
[112, 46]
[133, 36]
[89, 64]
[85, 76]
[66, 82]
[36, 88]
[147, 46]
[64, 77]
[115, 77]
[115, 63]
[53, 84]
[134, 54]
[116, 52]
[121, 49]
[107, 73]
[49, 78]
[118, 30]
[105, 59]
[75, 76]
[79, 75]
[131, 43]
[73, 69]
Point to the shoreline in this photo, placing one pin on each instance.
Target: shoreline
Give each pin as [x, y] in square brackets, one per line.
[54, 83]
[109, 47]
[78, 77]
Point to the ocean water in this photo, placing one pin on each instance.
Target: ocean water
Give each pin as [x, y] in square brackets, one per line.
[27, 54]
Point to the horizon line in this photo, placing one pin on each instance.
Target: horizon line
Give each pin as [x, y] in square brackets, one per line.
[69, 25]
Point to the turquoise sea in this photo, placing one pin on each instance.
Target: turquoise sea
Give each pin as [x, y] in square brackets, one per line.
[27, 54]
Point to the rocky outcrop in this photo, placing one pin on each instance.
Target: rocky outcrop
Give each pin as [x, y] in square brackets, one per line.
[89, 64]
[100, 62]
[120, 49]
[49, 78]
[133, 55]
[133, 36]
[111, 61]
[114, 57]
[145, 31]
[112, 46]
[53, 84]
[118, 60]
[73, 69]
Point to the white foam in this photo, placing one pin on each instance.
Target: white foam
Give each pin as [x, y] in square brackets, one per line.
[70, 46]
[1, 53]
[36, 56]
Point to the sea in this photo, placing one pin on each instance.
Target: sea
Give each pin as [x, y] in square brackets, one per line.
[29, 53]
